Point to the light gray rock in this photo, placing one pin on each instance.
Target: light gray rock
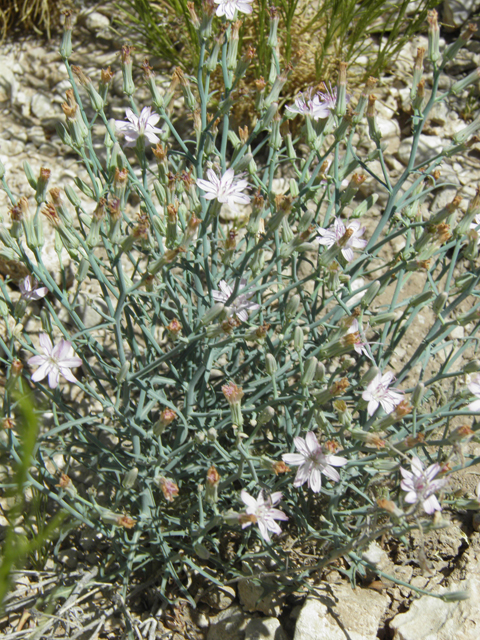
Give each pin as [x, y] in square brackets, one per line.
[457, 12]
[429, 146]
[251, 596]
[432, 619]
[341, 613]
[229, 624]
[220, 598]
[40, 105]
[264, 629]
[7, 80]
[390, 131]
[96, 21]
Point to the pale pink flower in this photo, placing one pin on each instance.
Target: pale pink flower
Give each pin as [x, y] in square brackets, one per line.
[331, 236]
[262, 513]
[227, 8]
[317, 107]
[226, 189]
[421, 486]
[143, 126]
[474, 387]
[312, 462]
[378, 392]
[55, 361]
[241, 306]
[30, 290]
[361, 343]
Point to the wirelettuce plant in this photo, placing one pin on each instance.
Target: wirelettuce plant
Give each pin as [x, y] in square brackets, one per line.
[238, 386]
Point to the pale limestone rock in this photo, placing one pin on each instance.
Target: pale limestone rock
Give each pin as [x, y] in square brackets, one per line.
[341, 614]
[429, 146]
[264, 629]
[250, 595]
[229, 624]
[432, 619]
[220, 598]
[97, 22]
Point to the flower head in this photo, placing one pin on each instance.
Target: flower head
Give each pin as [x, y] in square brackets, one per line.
[348, 237]
[55, 361]
[317, 105]
[474, 387]
[143, 126]
[421, 486]
[225, 189]
[312, 462]
[227, 8]
[30, 290]
[378, 392]
[241, 306]
[262, 513]
[357, 337]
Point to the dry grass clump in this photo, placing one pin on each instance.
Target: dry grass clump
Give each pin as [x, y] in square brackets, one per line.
[29, 15]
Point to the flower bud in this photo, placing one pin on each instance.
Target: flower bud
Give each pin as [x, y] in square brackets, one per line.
[472, 367]
[270, 364]
[127, 64]
[169, 488]
[421, 299]
[370, 293]
[383, 318]
[298, 339]
[233, 395]
[309, 372]
[292, 307]
[211, 314]
[433, 36]
[130, 478]
[439, 303]
[265, 415]
[417, 394]
[211, 485]
[66, 44]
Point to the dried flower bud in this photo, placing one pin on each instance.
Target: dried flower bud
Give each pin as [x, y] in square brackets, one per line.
[167, 416]
[8, 423]
[169, 488]
[280, 467]
[127, 64]
[126, 522]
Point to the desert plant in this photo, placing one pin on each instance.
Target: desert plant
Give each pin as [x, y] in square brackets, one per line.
[312, 39]
[222, 354]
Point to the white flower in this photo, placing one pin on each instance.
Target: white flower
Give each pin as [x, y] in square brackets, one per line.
[312, 462]
[378, 392]
[227, 7]
[241, 306]
[30, 290]
[334, 235]
[55, 361]
[143, 126]
[225, 189]
[420, 485]
[474, 387]
[262, 513]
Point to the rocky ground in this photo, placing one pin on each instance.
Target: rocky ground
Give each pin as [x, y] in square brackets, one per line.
[32, 88]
